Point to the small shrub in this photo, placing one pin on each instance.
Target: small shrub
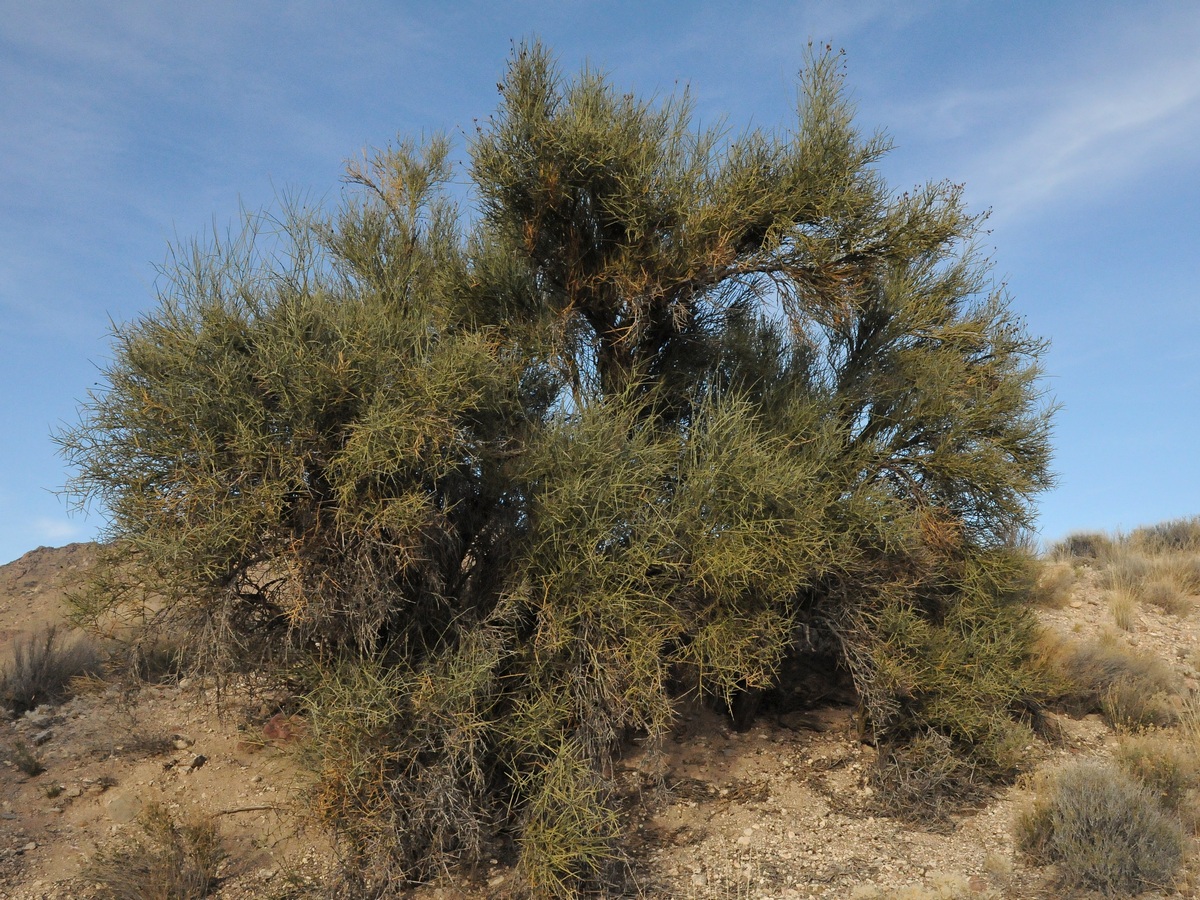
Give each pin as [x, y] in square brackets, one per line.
[1167, 595]
[1103, 829]
[1130, 704]
[924, 780]
[1175, 536]
[938, 886]
[1127, 570]
[148, 743]
[26, 759]
[42, 668]
[1167, 767]
[1131, 689]
[1123, 607]
[1090, 546]
[1054, 585]
[156, 662]
[168, 860]
[1183, 570]
[1187, 569]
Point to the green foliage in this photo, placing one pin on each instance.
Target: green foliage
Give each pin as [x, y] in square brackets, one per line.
[496, 493]
[1103, 830]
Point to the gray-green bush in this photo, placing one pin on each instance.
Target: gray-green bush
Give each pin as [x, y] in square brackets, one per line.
[497, 493]
[1103, 830]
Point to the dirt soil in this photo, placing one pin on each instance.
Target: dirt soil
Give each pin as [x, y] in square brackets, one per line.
[784, 810]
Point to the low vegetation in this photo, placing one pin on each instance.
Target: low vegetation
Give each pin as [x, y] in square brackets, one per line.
[1086, 546]
[1167, 763]
[1103, 829]
[1159, 565]
[25, 759]
[1118, 827]
[43, 666]
[1132, 689]
[1055, 582]
[164, 860]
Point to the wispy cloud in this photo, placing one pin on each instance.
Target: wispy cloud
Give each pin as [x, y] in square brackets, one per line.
[1095, 137]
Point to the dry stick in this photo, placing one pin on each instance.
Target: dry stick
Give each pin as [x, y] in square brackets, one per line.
[242, 809]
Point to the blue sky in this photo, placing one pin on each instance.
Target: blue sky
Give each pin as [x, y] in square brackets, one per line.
[129, 125]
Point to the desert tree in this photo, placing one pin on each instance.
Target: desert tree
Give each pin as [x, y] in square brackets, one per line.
[672, 406]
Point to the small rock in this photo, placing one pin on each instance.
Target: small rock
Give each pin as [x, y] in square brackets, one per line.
[180, 742]
[38, 718]
[28, 848]
[284, 729]
[42, 737]
[124, 808]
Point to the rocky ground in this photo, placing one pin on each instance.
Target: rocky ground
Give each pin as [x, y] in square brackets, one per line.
[784, 810]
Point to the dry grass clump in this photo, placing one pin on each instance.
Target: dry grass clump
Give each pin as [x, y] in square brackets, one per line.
[1123, 606]
[925, 780]
[1156, 567]
[25, 758]
[42, 668]
[1169, 596]
[1187, 569]
[1103, 829]
[168, 860]
[1133, 690]
[1181, 570]
[1130, 704]
[938, 886]
[1168, 767]
[1089, 546]
[1054, 585]
[156, 660]
[1126, 569]
[1175, 536]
